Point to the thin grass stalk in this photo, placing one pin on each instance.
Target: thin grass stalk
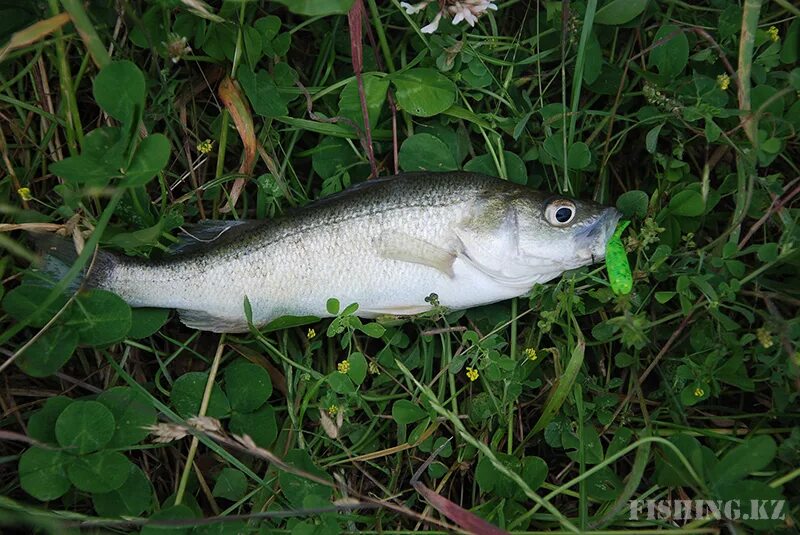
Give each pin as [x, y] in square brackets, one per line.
[212, 375]
[91, 39]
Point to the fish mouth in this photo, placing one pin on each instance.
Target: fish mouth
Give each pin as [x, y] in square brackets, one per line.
[592, 238]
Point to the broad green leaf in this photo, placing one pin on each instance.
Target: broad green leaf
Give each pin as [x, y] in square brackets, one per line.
[687, 203]
[287, 322]
[262, 92]
[147, 321]
[268, 27]
[491, 480]
[100, 317]
[316, 8]
[423, 92]
[671, 472]
[248, 386]
[563, 388]
[150, 158]
[618, 12]
[622, 437]
[768, 252]
[332, 156]
[133, 498]
[187, 394]
[534, 471]
[579, 156]
[406, 412]
[149, 30]
[236, 527]
[671, 56]
[424, 152]
[260, 425]
[84, 427]
[694, 393]
[456, 139]
[252, 41]
[21, 303]
[790, 51]
[651, 139]
[485, 164]
[42, 423]
[173, 512]
[633, 203]
[142, 239]
[101, 472]
[101, 160]
[49, 352]
[766, 99]
[604, 485]
[340, 383]
[762, 507]
[373, 330]
[298, 489]
[350, 102]
[119, 89]
[358, 367]
[593, 64]
[712, 131]
[590, 442]
[480, 407]
[231, 484]
[750, 456]
[664, 297]
[332, 306]
[43, 474]
[132, 413]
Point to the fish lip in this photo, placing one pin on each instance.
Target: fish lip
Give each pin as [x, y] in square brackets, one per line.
[592, 238]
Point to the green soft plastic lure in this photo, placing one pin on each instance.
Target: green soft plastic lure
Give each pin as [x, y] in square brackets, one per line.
[619, 270]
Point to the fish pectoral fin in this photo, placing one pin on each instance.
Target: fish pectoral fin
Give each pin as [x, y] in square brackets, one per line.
[203, 321]
[397, 245]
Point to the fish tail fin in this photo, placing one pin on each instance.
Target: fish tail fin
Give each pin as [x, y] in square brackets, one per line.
[57, 257]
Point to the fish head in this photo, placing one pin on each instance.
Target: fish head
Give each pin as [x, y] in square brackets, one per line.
[521, 237]
[562, 231]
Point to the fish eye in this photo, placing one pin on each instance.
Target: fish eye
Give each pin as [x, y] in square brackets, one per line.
[560, 213]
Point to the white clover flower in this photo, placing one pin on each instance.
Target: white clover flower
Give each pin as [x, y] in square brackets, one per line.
[430, 28]
[458, 10]
[416, 8]
[463, 13]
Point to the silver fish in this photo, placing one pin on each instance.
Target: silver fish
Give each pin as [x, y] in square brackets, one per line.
[386, 244]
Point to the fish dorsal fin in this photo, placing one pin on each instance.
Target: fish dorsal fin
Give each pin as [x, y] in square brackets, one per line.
[397, 245]
[204, 321]
[203, 233]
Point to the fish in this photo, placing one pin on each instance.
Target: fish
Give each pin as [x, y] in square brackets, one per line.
[396, 246]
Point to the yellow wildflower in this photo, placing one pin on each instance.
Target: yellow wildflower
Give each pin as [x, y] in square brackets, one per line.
[204, 147]
[344, 366]
[531, 354]
[25, 194]
[764, 337]
[472, 374]
[332, 410]
[373, 368]
[773, 33]
[723, 81]
[311, 334]
[699, 392]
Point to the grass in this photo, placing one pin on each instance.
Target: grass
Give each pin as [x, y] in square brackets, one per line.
[549, 412]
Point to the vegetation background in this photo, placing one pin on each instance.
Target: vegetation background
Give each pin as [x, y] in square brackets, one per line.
[121, 122]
